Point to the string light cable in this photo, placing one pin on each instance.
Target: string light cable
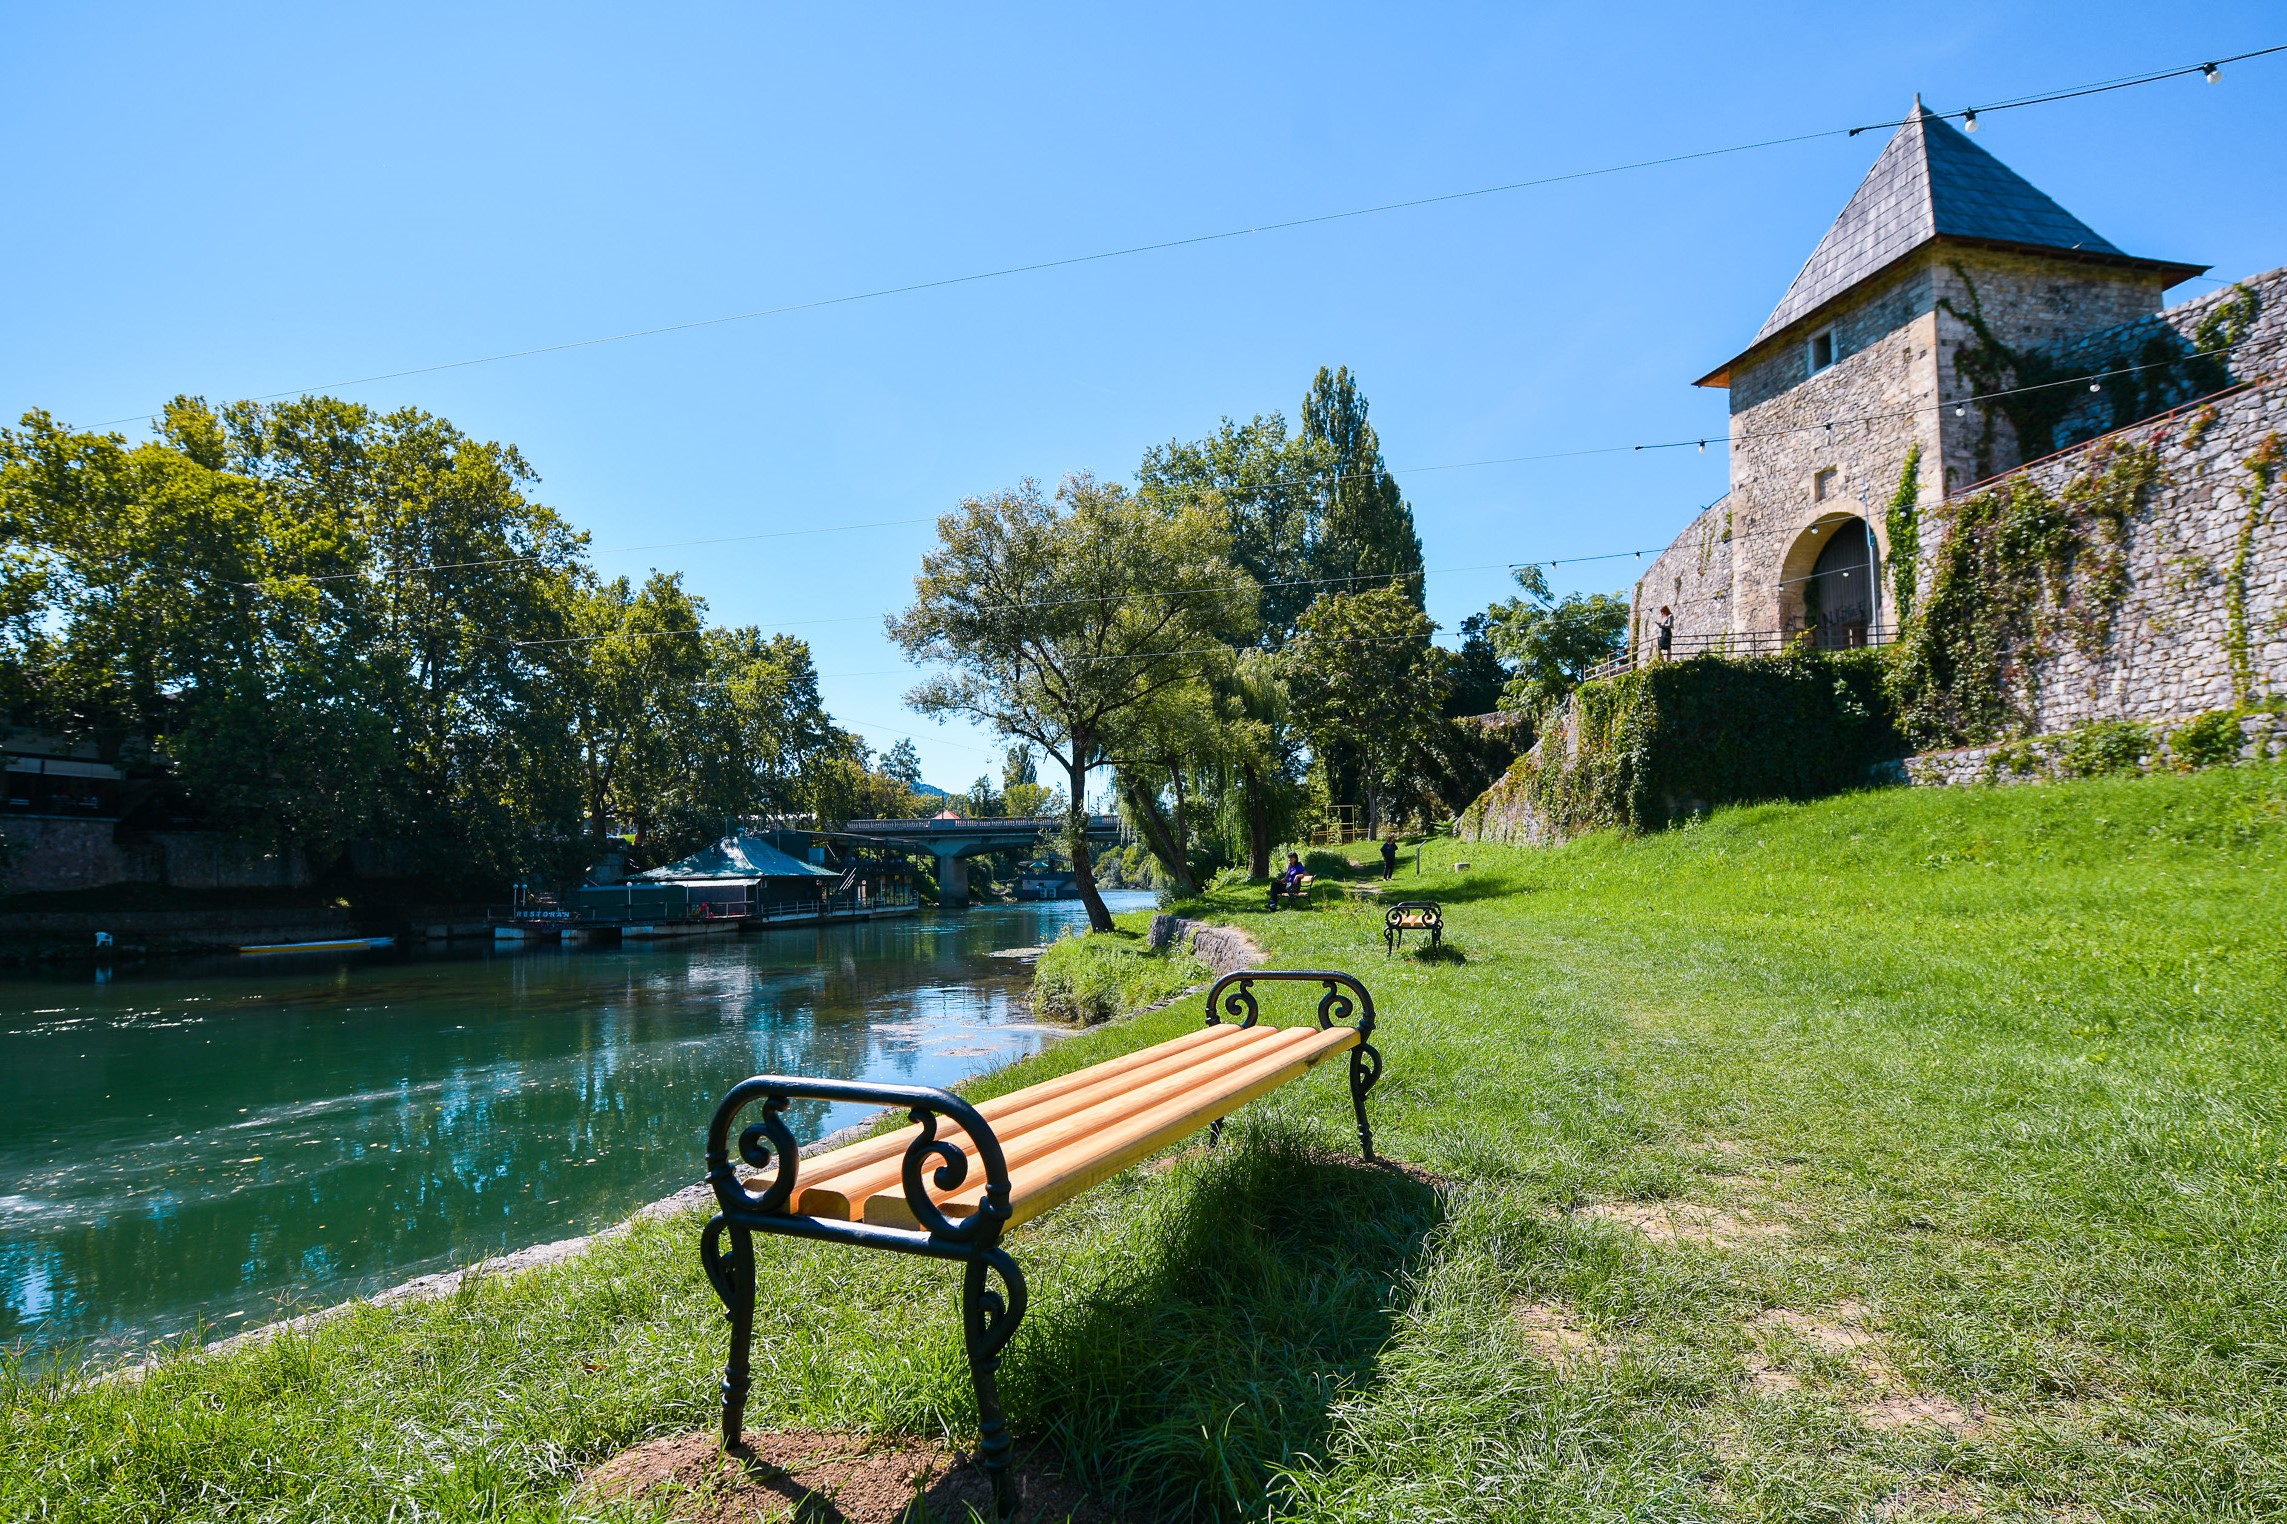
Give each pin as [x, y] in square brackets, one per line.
[2211, 71]
[1414, 203]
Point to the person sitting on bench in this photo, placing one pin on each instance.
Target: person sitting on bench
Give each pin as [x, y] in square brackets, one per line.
[1289, 882]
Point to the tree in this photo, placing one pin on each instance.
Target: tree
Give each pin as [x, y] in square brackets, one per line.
[1311, 512]
[1165, 741]
[639, 698]
[903, 762]
[1475, 676]
[1367, 688]
[1552, 645]
[1362, 528]
[1056, 622]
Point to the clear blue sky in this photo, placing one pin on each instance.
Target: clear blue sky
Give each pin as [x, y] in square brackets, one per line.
[244, 200]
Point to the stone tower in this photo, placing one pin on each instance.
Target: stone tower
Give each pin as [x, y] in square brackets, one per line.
[1942, 260]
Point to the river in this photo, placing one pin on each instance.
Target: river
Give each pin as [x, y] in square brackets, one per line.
[203, 1146]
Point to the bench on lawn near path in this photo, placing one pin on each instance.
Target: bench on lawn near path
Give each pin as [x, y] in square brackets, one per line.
[1412, 915]
[950, 1191]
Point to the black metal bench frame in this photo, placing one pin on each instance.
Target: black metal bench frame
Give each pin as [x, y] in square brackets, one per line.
[989, 1317]
[1394, 926]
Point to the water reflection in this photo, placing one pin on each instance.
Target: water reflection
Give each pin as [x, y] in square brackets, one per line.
[209, 1144]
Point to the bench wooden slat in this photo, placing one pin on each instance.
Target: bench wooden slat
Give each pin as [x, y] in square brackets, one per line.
[1098, 1153]
[838, 1184]
[819, 1169]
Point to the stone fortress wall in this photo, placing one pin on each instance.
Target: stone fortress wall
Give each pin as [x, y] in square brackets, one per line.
[1895, 382]
[2211, 532]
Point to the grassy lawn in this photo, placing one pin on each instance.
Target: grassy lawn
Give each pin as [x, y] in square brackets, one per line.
[1912, 1155]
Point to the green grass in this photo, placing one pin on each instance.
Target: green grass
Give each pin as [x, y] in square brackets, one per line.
[1094, 977]
[2005, 1065]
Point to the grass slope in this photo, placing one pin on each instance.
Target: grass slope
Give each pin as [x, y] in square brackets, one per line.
[1909, 1155]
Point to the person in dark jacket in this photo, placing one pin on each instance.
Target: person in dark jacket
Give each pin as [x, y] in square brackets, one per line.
[1390, 855]
[1667, 632]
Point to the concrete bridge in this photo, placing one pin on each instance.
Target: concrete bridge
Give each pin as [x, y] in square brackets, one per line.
[952, 842]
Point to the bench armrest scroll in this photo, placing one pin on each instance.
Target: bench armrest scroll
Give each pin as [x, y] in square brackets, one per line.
[1336, 1005]
[767, 1143]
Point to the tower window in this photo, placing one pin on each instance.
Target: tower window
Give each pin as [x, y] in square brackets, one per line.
[1822, 485]
[1822, 350]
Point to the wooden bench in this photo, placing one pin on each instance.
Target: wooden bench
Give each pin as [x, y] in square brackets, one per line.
[1412, 915]
[951, 1184]
[1303, 890]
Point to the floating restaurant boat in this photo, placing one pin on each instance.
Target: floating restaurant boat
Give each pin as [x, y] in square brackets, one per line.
[742, 881]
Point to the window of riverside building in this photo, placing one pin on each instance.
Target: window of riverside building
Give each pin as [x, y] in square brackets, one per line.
[1822, 350]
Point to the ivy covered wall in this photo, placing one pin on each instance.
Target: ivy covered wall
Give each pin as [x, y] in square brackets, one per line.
[1678, 738]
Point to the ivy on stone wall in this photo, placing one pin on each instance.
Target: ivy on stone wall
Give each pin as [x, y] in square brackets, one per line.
[2019, 569]
[1903, 524]
[1678, 738]
[2263, 468]
[2047, 411]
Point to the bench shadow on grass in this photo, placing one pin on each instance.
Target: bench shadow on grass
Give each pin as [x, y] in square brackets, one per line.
[1262, 1291]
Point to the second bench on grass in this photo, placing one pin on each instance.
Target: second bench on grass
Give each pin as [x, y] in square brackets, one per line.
[949, 1194]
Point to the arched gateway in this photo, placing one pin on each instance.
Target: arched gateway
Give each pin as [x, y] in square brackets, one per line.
[1830, 584]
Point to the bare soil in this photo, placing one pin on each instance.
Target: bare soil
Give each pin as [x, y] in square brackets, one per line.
[811, 1477]
[1674, 1222]
[1555, 1333]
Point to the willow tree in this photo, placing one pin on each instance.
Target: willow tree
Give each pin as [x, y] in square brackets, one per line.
[1064, 623]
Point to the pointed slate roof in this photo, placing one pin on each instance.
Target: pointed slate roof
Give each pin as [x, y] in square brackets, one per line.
[1931, 183]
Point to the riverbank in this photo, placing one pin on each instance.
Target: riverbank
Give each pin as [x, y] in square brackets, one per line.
[1908, 1154]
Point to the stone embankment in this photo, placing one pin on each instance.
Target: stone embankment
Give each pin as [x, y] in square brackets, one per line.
[1225, 949]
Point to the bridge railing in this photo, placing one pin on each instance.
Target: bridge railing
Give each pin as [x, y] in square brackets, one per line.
[1098, 825]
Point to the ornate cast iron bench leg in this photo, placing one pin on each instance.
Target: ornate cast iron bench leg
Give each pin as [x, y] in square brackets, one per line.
[1334, 1006]
[989, 1316]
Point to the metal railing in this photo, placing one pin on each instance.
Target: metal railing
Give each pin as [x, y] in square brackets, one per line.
[1740, 643]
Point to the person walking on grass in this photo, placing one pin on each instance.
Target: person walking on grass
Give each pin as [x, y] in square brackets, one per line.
[1390, 855]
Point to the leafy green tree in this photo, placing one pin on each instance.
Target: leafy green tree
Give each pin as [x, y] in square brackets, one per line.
[1314, 511]
[1057, 622]
[1551, 645]
[646, 657]
[1475, 674]
[1367, 688]
[903, 762]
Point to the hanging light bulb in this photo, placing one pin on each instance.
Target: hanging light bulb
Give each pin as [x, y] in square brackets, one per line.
[1703, 447]
[2211, 74]
[1969, 120]
[1960, 411]
[2095, 387]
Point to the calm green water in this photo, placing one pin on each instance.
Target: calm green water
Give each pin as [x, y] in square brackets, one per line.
[211, 1144]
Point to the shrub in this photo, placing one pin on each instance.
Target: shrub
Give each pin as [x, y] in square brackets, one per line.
[2208, 740]
[2105, 746]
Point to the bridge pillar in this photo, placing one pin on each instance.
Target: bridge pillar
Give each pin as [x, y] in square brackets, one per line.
[952, 880]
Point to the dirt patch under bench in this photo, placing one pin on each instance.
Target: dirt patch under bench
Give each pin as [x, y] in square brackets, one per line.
[809, 1477]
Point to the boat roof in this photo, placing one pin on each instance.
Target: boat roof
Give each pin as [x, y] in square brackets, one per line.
[736, 857]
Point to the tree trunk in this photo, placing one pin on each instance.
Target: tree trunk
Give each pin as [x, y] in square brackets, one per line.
[1182, 832]
[1258, 825]
[1076, 841]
